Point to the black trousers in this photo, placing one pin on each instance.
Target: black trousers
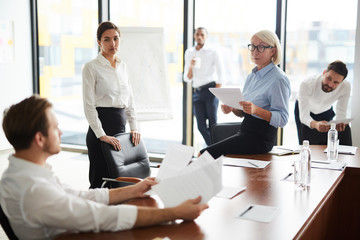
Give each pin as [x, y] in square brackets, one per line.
[314, 136]
[255, 136]
[205, 106]
[113, 121]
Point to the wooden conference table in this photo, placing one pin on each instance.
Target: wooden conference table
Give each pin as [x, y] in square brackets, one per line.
[328, 209]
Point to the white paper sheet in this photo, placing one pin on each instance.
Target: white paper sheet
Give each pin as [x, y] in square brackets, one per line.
[283, 150]
[229, 96]
[204, 181]
[328, 165]
[343, 149]
[230, 192]
[177, 157]
[345, 121]
[259, 213]
[243, 162]
[203, 160]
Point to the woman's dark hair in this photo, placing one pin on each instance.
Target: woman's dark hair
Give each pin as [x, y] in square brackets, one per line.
[105, 26]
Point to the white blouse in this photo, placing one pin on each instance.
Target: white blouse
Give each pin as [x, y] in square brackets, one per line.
[105, 86]
[40, 207]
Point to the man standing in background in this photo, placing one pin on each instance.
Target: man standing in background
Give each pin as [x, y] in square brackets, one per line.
[203, 69]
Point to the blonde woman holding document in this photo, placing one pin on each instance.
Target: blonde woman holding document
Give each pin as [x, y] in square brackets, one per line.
[267, 92]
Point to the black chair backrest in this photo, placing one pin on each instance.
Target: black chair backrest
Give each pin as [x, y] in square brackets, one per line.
[131, 161]
[221, 131]
[6, 225]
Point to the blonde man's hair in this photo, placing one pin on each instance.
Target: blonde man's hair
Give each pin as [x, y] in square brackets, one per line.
[270, 38]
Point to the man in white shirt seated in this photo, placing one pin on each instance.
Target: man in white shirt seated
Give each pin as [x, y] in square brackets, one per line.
[313, 108]
[39, 206]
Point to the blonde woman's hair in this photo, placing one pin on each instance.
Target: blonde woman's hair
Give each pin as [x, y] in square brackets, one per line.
[270, 38]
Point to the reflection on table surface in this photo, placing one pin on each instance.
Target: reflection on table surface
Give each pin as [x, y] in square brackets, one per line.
[302, 213]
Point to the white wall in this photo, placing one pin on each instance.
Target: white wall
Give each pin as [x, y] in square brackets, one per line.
[355, 111]
[16, 77]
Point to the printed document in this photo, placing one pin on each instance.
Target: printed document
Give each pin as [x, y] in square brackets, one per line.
[177, 157]
[229, 96]
[202, 178]
[337, 121]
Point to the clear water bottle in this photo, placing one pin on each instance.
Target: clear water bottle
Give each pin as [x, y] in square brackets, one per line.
[302, 167]
[332, 143]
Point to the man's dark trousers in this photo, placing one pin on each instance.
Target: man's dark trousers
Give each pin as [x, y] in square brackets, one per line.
[205, 106]
[314, 136]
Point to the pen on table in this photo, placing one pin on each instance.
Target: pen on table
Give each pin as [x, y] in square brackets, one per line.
[248, 209]
[287, 176]
[320, 161]
[253, 164]
[350, 153]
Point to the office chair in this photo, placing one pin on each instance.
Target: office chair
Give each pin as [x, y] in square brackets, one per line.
[130, 164]
[6, 225]
[220, 131]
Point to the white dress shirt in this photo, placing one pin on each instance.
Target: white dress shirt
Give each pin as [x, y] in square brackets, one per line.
[313, 99]
[105, 86]
[210, 68]
[40, 207]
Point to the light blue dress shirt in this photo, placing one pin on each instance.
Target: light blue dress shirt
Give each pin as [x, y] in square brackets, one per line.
[269, 88]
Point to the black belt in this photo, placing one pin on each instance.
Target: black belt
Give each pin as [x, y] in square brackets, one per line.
[206, 86]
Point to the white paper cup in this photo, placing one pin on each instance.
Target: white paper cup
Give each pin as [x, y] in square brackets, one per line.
[197, 62]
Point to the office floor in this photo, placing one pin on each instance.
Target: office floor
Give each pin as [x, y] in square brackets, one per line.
[71, 168]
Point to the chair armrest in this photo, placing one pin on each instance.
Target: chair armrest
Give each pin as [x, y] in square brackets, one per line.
[128, 179]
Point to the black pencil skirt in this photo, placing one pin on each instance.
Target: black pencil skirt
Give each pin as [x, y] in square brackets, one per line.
[255, 136]
[113, 121]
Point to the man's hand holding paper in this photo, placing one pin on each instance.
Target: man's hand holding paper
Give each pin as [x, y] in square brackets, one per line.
[202, 178]
[341, 123]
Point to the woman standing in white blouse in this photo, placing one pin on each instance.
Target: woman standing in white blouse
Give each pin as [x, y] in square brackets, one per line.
[108, 101]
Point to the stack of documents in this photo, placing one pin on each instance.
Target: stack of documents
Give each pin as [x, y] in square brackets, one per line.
[179, 181]
[177, 157]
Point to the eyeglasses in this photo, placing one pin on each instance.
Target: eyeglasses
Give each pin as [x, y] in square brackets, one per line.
[260, 48]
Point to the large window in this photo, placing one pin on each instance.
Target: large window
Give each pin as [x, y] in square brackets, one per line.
[327, 33]
[166, 14]
[231, 25]
[67, 40]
